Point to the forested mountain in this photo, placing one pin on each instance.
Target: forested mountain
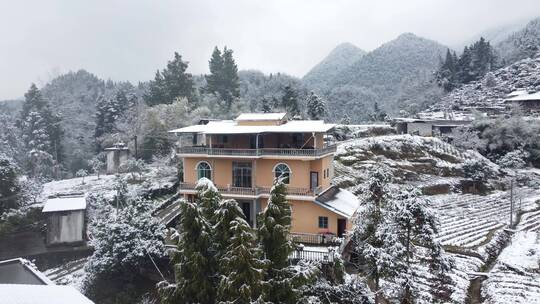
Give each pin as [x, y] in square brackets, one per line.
[522, 44]
[256, 86]
[384, 76]
[339, 59]
[493, 35]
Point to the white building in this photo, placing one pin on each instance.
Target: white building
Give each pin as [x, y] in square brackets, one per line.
[65, 219]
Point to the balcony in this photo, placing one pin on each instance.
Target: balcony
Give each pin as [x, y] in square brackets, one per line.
[254, 191]
[256, 153]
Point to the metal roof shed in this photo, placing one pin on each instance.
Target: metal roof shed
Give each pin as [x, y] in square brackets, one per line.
[65, 219]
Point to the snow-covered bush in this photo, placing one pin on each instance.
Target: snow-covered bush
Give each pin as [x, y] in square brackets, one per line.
[515, 159]
[124, 239]
[133, 166]
[477, 169]
[15, 220]
[9, 184]
[82, 173]
[352, 292]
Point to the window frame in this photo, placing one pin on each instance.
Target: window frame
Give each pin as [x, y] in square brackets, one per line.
[199, 170]
[323, 222]
[288, 179]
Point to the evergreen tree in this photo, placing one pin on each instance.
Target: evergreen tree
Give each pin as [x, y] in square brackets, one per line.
[316, 107]
[208, 199]
[274, 228]
[9, 184]
[194, 264]
[374, 236]
[290, 101]
[223, 79]
[241, 266]
[214, 80]
[265, 106]
[171, 83]
[446, 76]
[40, 128]
[226, 213]
[417, 228]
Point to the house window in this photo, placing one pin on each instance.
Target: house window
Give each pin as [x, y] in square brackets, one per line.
[323, 222]
[242, 174]
[204, 170]
[283, 172]
[324, 173]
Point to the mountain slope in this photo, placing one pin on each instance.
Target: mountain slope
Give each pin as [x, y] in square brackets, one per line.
[493, 88]
[522, 44]
[388, 76]
[339, 59]
[494, 35]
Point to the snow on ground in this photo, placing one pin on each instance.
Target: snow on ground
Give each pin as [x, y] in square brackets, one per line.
[71, 273]
[515, 278]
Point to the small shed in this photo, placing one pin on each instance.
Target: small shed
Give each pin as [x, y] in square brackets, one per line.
[116, 156]
[528, 102]
[65, 219]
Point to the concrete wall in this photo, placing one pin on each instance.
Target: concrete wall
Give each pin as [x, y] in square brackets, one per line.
[65, 227]
[420, 128]
[305, 217]
[262, 171]
[115, 158]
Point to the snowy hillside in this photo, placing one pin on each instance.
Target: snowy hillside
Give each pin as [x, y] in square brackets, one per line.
[493, 88]
[418, 160]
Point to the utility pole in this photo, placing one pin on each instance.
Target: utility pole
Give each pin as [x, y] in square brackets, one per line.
[136, 149]
[511, 200]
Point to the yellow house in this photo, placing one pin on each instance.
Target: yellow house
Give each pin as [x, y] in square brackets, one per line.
[243, 157]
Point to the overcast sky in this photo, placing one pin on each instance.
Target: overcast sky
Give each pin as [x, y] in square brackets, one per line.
[129, 40]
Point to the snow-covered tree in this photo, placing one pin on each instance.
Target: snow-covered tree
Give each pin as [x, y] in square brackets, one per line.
[97, 164]
[82, 173]
[40, 128]
[316, 107]
[416, 230]
[194, 262]
[515, 159]
[265, 105]
[209, 199]
[273, 232]
[9, 184]
[133, 166]
[241, 266]
[289, 101]
[123, 243]
[226, 212]
[374, 236]
[468, 138]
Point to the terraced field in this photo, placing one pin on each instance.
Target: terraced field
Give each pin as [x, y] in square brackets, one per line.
[470, 221]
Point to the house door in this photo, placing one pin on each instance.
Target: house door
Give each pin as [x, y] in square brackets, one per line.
[341, 227]
[246, 209]
[314, 180]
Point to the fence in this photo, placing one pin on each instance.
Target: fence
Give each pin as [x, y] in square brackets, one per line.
[315, 239]
[255, 191]
[257, 152]
[313, 255]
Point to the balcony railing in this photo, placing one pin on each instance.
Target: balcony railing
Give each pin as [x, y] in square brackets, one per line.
[257, 152]
[255, 191]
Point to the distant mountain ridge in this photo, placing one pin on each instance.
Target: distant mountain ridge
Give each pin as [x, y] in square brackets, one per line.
[384, 76]
[524, 43]
[340, 58]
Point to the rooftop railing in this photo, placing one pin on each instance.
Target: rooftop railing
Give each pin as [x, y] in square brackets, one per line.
[255, 191]
[205, 150]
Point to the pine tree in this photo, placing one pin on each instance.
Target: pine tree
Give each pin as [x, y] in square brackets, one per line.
[9, 184]
[273, 232]
[417, 228]
[214, 80]
[316, 107]
[171, 83]
[223, 79]
[241, 266]
[208, 199]
[40, 128]
[290, 101]
[374, 236]
[265, 106]
[194, 264]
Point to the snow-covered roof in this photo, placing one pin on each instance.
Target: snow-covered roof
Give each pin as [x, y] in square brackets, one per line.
[39, 294]
[517, 93]
[339, 201]
[260, 116]
[525, 97]
[231, 127]
[65, 204]
[21, 271]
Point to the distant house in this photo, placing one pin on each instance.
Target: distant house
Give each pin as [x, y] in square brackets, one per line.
[427, 127]
[65, 219]
[528, 102]
[116, 156]
[21, 283]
